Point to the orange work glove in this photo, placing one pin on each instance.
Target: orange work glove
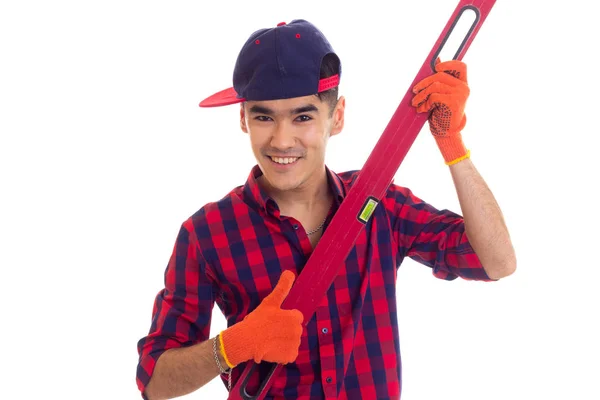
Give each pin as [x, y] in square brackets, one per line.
[445, 94]
[268, 333]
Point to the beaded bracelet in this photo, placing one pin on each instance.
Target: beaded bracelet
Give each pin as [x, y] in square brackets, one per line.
[223, 371]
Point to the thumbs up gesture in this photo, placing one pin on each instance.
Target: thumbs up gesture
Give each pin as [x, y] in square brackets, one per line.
[268, 333]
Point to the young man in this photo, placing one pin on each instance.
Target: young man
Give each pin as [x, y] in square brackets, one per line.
[244, 251]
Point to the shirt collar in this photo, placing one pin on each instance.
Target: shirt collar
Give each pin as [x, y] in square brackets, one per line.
[253, 191]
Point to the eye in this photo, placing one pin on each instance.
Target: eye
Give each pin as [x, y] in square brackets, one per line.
[303, 118]
[262, 118]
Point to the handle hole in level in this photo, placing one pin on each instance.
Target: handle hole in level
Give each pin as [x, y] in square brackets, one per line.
[457, 36]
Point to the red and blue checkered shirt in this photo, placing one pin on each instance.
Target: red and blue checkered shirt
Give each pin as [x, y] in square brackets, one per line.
[232, 252]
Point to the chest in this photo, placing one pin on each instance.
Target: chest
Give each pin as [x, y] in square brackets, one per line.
[249, 268]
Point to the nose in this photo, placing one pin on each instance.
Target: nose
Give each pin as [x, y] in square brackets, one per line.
[283, 137]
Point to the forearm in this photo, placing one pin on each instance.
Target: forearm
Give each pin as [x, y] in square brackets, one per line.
[484, 223]
[183, 370]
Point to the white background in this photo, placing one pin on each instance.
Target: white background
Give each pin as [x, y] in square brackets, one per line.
[104, 152]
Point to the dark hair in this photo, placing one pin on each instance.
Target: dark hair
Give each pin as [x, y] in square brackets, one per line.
[329, 67]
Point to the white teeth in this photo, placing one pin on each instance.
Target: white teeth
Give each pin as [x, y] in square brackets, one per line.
[286, 160]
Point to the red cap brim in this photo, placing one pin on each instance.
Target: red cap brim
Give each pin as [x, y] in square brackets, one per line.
[222, 98]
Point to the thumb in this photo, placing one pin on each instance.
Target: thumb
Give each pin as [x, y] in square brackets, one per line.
[282, 289]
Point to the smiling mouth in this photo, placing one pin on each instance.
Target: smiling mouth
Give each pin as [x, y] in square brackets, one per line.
[284, 160]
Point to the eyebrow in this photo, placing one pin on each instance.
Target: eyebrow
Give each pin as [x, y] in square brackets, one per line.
[304, 109]
[260, 110]
[256, 109]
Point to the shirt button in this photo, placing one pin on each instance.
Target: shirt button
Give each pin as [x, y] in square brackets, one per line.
[329, 379]
[325, 330]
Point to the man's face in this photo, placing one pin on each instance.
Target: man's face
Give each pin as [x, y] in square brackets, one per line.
[289, 138]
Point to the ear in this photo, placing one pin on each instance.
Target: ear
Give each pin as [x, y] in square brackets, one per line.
[338, 116]
[243, 125]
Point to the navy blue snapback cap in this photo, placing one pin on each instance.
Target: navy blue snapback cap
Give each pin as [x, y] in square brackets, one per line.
[279, 63]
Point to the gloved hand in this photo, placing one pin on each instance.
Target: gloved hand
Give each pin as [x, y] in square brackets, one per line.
[267, 333]
[445, 94]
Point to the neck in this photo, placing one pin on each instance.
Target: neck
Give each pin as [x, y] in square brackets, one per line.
[308, 198]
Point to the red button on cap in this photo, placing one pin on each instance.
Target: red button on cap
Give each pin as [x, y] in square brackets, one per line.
[281, 23]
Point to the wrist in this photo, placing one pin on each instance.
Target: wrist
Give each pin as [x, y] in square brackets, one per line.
[220, 359]
[452, 148]
[235, 345]
[220, 354]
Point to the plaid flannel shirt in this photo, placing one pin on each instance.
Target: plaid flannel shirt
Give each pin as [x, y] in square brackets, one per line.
[231, 252]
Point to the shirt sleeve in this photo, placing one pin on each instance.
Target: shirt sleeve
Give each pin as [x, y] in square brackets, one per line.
[435, 238]
[182, 310]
